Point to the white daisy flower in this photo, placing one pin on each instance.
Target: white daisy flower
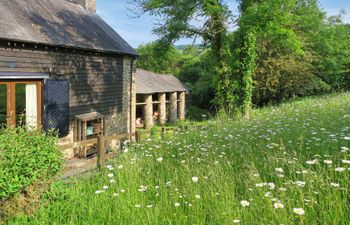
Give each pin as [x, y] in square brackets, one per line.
[339, 169]
[195, 179]
[345, 161]
[328, 162]
[245, 203]
[279, 170]
[335, 185]
[278, 205]
[312, 162]
[299, 211]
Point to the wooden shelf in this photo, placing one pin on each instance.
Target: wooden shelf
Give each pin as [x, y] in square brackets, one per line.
[83, 123]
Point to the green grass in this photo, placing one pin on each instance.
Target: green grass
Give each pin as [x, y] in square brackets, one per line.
[231, 159]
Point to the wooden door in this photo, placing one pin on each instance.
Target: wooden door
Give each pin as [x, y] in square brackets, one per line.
[21, 103]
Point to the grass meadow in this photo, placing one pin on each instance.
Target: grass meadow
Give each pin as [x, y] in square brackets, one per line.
[289, 165]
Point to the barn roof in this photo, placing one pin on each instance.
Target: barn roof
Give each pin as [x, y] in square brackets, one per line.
[148, 83]
[58, 23]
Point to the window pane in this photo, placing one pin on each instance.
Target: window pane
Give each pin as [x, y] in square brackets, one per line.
[26, 105]
[20, 104]
[3, 104]
[31, 106]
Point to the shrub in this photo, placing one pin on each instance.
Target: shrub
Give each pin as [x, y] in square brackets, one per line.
[197, 114]
[26, 158]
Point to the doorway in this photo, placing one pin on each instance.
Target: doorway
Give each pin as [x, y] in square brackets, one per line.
[20, 104]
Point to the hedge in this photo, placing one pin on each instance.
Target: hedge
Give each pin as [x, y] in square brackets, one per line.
[26, 158]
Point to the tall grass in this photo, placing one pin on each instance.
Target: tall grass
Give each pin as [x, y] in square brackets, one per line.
[287, 160]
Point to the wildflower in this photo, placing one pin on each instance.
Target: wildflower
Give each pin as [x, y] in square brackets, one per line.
[272, 186]
[149, 206]
[282, 189]
[160, 159]
[300, 183]
[195, 179]
[344, 149]
[109, 167]
[177, 204]
[347, 138]
[98, 192]
[299, 211]
[312, 162]
[198, 196]
[112, 181]
[137, 206]
[245, 203]
[115, 194]
[260, 184]
[339, 169]
[279, 170]
[328, 162]
[120, 167]
[105, 187]
[236, 221]
[110, 175]
[335, 185]
[278, 205]
[346, 161]
[122, 190]
[268, 194]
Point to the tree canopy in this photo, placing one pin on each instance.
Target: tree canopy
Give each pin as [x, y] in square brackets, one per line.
[281, 49]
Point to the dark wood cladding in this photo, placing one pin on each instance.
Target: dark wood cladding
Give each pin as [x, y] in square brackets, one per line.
[96, 79]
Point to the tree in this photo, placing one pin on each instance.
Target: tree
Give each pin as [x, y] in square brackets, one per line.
[159, 59]
[205, 19]
[332, 46]
[285, 62]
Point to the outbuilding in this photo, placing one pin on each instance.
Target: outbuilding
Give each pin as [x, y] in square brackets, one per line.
[62, 67]
[160, 98]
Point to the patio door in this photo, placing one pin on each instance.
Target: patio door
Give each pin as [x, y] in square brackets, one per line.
[20, 103]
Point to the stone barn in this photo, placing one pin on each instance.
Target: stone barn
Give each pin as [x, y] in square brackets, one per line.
[62, 67]
[160, 98]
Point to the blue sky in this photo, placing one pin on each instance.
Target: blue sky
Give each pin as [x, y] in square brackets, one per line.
[139, 30]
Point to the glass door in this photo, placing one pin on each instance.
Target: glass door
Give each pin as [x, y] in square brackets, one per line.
[20, 103]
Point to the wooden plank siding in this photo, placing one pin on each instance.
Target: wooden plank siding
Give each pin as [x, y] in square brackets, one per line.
[96, 80]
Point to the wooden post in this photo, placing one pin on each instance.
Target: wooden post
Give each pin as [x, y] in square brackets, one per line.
[101, 151]
[182, 106]
[173, 107]
[138, 136]
[162, 109]
[163, 132]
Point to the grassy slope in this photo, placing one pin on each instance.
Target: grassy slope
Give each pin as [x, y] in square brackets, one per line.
[229, 158]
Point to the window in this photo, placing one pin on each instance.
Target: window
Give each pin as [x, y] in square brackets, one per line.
[20, 103]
